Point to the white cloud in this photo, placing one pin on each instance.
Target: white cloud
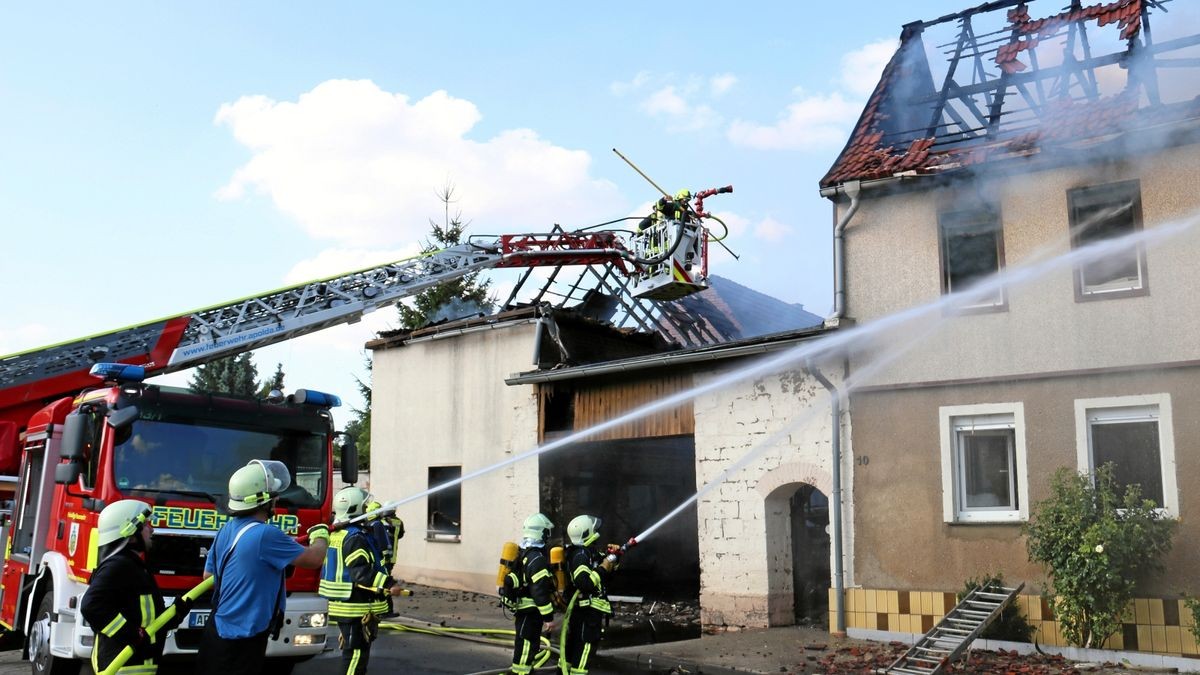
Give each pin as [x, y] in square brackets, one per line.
[813, 123]
[820, 121]
[862, 67]
[670, 104]
[336, 261]
[720, 84]
[622, 88]
[718, 257]
[771, 230]
[361, 166]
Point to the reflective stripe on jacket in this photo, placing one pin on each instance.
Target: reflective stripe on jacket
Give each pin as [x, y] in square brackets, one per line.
[353, 579]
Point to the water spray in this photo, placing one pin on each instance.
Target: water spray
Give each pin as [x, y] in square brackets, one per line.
[843, 341]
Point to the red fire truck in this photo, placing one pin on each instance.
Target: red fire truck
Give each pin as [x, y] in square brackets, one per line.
[80, 428]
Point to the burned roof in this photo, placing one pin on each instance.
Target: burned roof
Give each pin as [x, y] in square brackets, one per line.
[727, 311]
[1022, 79]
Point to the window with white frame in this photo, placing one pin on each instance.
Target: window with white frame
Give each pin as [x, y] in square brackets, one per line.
[983, 463]
[1135, 434]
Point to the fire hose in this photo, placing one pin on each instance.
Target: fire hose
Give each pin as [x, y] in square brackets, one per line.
[157, 625]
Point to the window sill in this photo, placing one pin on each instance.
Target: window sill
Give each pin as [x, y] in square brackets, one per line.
[1093, 296]
[994, 520]
[442, 538]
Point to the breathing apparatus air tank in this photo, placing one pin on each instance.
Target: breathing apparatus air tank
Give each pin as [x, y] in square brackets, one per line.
[557, 557]
[508, 556]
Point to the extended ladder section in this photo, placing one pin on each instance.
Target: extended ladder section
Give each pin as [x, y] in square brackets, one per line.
[946, 641]
[198, 337]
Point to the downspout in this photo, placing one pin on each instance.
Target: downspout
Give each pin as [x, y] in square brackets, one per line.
[835, 510]
[851, 189]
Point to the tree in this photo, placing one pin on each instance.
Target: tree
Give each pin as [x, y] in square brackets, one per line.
[274, 383]
[228, 375]
[359, 428]
[464, 294]
[1098, 539]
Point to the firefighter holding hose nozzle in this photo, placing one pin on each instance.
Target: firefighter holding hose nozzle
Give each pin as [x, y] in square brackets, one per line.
[354, 582]
[527, 587]
[589, 570]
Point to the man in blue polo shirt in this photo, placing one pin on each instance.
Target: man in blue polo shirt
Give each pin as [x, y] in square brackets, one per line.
[249, 557]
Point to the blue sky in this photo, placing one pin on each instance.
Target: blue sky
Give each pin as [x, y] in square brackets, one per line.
[159, 157]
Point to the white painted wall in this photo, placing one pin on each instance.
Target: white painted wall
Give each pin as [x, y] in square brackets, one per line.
[444, 402]
[892, 263]
[745, 551]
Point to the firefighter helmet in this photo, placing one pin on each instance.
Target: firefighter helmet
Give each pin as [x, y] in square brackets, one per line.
[583, 530]
[537, 527]
[121, 519]
[683, 195]
[349, 502]
[257, 483]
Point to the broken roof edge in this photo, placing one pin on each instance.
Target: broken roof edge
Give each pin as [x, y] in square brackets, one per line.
[729, 350]
[1083, 152]
[397, 338]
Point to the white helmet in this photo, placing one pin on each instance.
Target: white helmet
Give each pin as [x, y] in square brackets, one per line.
[583, 530]
[257, 483]
[537, 528]
[349, 502]
[121, 519]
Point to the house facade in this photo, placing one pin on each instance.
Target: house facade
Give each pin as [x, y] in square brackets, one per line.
[1081, 356]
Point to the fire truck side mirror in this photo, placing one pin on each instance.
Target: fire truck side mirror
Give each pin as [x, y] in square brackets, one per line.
[76, 431]
[123, 417]
[68, 473]
[349, 460]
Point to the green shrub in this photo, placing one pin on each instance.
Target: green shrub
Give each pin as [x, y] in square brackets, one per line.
[1011, 625]
[1097, 539]
[1193, 605]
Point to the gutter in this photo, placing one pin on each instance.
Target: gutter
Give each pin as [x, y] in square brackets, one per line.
[835, 509]
[852, 189]
[466, 331]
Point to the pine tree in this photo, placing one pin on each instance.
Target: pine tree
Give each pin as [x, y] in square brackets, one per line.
[359, 428]
[274, 383]
[229, 375]
[462, 294]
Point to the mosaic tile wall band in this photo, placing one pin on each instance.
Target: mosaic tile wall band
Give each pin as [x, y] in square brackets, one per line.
[1161, 626]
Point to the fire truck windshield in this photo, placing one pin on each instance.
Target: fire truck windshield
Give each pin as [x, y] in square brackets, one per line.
[185, 459]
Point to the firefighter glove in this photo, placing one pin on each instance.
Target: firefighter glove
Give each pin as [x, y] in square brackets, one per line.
[143, 648]
[182, 606]
[610, 563]
[318, 531]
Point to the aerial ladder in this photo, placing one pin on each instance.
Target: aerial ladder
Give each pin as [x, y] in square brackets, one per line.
[664, 261]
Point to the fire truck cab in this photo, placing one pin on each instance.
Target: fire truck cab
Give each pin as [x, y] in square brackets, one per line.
[174, 449]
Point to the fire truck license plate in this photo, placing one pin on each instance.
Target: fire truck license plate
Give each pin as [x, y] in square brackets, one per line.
[198, 619]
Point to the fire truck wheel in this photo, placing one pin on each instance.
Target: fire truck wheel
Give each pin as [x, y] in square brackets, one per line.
[45, 663]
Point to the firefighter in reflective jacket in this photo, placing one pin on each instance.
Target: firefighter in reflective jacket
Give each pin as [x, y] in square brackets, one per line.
[529, 590]
[354, 582]
[589, 570]
[122, 598]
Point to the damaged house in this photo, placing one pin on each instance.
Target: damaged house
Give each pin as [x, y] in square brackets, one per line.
[454, 398]
[1011, 133]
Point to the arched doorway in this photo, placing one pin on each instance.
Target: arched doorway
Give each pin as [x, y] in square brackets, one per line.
[810, 555]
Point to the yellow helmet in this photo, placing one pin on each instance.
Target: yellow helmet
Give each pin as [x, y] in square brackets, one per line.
[121, 519]
[683, 195]
[349, 502]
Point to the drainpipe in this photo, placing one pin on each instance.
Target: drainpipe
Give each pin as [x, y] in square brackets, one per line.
[852, 190]
[839, 576]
